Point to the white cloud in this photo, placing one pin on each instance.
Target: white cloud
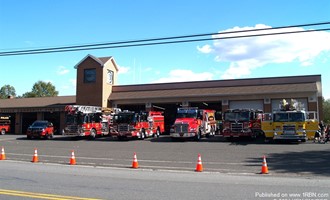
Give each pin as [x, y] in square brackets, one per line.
[69, 86]
[180, 75]
[247, 54]
[148, 69]
[62, 70]
[123, 70]
[205, 49]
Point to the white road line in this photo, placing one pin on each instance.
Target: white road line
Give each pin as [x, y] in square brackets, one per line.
[8, 139]
[126, 160]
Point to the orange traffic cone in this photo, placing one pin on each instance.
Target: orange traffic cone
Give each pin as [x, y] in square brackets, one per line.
[35, 156]
[3, 155]
[199, 166]
[72, 159]
[135, 163]
[264, 168]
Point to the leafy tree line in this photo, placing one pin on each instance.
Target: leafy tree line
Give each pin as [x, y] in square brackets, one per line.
[39, 89]
[326, 111]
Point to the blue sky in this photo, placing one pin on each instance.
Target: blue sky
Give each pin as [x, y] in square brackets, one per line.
[47, 23]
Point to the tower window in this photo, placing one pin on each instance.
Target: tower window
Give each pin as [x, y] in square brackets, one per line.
[110, 77]
[89, 75]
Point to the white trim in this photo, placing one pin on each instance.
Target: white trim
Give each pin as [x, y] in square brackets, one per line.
[89, 55]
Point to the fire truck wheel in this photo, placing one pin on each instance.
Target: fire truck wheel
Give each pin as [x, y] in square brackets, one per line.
[198, 136]
[48, 136]
[93, 134]
[3, 131]
[142, 134]
[157, 134]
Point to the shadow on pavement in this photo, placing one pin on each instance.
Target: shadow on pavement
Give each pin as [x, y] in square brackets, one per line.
[306, 162]
[167, 138]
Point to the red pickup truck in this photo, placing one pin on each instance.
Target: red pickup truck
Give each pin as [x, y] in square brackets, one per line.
[40, 129]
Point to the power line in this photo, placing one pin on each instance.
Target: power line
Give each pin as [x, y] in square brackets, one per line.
[149, 42]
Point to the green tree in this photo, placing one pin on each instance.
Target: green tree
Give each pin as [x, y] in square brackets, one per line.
[42, 89]
[6, 91]
[326, 111]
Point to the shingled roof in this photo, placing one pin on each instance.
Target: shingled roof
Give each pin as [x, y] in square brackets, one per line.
[220, 88]
[37, 102]
[100, 60]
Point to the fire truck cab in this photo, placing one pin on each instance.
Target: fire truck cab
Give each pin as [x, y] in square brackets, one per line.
[4, 124]
[130, 124]
[192, 122]
[290, 123]
[86, 121]
[242, 123]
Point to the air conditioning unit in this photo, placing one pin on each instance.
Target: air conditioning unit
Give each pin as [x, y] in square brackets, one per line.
[312, 98]
[148, 105]
[267, 101]
[185, 104]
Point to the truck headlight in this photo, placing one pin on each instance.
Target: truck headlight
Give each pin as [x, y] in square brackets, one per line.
[192, 130]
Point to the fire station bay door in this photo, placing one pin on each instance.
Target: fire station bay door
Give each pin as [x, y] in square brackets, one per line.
[255, 104]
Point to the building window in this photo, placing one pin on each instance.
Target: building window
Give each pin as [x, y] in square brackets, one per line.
[110, 77]
[89, 75]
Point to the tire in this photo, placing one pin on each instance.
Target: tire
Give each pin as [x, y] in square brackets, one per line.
[49, 136]
[212, 133]
[92, 134]
[157, 134]
[3, 131]
[142, 134]
[198, 136]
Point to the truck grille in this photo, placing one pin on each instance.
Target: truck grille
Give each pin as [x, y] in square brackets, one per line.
[72, 128]
[181, 128]
[289, 129]
[36, 129]
[236, 127]
[123, 127]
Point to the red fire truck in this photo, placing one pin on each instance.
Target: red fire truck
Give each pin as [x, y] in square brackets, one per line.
[86, 121]
[130, 124]
[4, 124]
[242, 123]
[192, 122]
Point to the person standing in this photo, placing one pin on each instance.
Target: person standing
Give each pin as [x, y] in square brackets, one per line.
[321, 127]
[327, 134]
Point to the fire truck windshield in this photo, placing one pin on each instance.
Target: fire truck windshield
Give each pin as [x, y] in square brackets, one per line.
[236, 116]
[74, 119]
[124, 118]
[289, 117]
[4, 122]
[187, 113]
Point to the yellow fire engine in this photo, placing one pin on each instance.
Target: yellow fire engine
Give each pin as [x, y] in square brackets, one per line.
[290, 123]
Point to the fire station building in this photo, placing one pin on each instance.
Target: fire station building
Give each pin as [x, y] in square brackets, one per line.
[97, 86]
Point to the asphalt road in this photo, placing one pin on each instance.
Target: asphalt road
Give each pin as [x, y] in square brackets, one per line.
[23, 180]
[245, 157]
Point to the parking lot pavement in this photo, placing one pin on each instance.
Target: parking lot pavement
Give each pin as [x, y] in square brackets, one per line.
[217, 155]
